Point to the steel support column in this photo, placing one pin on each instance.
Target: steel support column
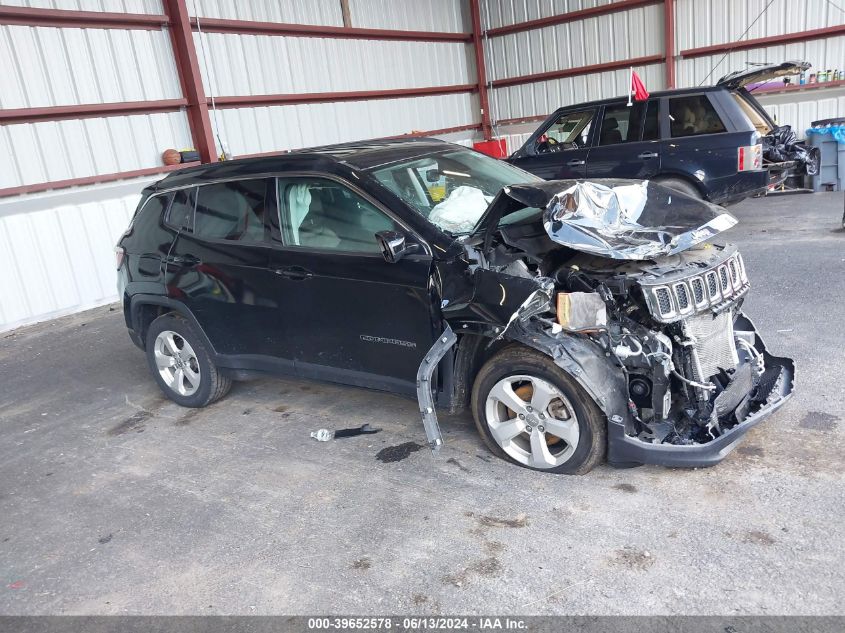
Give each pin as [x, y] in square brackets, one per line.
[187, 64]
[669, 39]
[480, 71]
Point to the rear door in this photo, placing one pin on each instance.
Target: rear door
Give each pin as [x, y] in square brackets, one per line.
[560, 149]
[218, 265]
[354, 317]
[628, 143]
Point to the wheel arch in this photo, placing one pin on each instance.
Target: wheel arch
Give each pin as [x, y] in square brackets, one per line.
[144, 309]
[692, 182]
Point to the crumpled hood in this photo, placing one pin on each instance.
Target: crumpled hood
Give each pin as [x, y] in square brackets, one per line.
[619, 219]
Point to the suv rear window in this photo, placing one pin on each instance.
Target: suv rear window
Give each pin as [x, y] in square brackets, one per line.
[690, 116]
[624, 124]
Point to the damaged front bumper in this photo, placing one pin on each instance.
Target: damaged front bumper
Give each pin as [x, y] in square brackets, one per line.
[625, 450]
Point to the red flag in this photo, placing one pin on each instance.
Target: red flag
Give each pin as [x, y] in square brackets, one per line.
[638, 87]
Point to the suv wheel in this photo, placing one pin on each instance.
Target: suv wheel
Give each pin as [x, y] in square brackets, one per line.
[532, 413]
[680, 185]
[181, 364]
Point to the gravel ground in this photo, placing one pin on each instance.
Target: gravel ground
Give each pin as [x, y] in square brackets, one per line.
[114, 500]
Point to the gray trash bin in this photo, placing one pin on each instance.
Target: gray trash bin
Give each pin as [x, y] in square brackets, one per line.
[832, 166]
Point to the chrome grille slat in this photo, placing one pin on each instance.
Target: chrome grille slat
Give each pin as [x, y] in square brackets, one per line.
[714, 289]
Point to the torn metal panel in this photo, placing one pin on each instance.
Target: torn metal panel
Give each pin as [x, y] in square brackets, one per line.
[425, 396]
[631, 220]
[619, 219]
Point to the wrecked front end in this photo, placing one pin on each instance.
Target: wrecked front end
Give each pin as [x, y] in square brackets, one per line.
[613, 280]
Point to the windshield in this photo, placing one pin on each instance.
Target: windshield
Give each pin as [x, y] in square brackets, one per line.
[451, 189]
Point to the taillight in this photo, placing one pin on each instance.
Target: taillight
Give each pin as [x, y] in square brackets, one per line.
[750, 157]
[119, 256]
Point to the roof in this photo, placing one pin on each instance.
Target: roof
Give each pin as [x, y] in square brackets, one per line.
[359, 155]
[652, 95]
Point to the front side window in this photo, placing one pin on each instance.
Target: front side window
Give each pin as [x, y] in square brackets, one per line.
[451, 189]
[569, 131]
[323, 214]
[231, 211]
[691, 116]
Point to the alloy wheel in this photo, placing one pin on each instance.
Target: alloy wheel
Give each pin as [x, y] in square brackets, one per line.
[177, 363]
[532, 421]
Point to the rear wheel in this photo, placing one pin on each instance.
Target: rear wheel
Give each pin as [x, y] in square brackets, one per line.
[181, 364]
[680, 185]
[532, 413]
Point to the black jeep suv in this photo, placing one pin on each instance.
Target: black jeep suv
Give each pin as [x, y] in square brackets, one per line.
[577, 319]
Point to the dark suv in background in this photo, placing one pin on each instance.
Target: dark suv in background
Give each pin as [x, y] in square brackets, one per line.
[706, 142]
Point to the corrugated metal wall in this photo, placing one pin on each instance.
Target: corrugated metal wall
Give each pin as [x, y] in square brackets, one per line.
[241, 64]
[605, 38]
[56, 250]
[56, 247]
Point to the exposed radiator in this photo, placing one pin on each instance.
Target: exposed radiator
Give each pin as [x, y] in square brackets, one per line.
[714, 347]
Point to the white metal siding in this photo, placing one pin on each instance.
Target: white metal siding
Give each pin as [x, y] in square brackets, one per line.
[274, 128]
[410, 15]
[60, 150]
[606, 38]
[321, 12]
[152, 7]
[44, 66]
[264, 64]
[56, 250]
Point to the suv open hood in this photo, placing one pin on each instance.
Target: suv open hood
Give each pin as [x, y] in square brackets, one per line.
[759, 74]
[619, 219]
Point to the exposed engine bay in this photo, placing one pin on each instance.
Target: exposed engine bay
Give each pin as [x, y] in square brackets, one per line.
[650, 299]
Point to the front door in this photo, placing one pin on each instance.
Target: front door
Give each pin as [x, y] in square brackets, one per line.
[359, 319]
[628, 143]
[218, 263]
[560, 150]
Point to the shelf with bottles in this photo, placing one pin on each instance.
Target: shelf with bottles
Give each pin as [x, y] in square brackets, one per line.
[779, 88]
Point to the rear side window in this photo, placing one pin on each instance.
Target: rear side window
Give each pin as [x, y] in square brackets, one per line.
[180, 215]
[691, 116]
[231, 211]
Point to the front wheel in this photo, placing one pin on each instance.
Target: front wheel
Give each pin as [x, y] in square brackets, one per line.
[532, 413]
[181, 365]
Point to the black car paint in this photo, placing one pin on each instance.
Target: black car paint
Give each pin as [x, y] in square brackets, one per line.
[707, 162]
[357, 306]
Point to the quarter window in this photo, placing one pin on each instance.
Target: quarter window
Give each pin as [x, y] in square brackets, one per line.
[690, 116]
[180, 215]
[323, 214]
[231, 211]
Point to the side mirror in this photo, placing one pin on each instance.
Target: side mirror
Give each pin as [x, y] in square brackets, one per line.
[394, 246]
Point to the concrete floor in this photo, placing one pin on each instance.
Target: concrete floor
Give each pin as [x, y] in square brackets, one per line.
[114, 500]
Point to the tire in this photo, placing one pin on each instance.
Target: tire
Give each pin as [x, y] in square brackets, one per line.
[582, 442]
[173, 346]
[680, 185]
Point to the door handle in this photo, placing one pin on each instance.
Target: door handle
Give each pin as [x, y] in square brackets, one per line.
[576, 163]
[648, 155]
[182, 260]
[295, 273]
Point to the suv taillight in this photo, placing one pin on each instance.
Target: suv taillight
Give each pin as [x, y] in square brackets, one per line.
[749, 157]
[119, 256]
